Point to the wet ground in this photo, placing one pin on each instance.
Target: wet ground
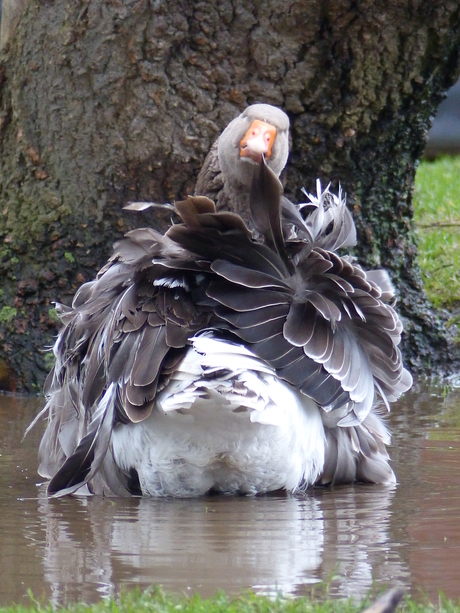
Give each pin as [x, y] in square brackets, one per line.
[343, 540]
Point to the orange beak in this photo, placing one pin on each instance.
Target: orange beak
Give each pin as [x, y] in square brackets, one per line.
[258, 141]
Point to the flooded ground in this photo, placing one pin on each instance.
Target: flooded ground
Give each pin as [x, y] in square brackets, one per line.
[346, 538]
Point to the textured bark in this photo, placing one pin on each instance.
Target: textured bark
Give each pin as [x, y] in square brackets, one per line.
[106, 102]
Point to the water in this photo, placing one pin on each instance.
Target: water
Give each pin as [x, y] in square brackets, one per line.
[347, 538]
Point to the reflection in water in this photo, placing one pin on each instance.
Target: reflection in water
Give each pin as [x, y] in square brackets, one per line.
[268, 543]
[81, 549]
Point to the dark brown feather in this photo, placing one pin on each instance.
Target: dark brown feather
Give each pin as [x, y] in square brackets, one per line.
[265, 202]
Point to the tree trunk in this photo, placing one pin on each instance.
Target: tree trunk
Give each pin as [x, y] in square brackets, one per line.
[107, 102]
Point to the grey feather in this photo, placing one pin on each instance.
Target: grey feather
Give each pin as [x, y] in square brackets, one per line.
[87, 458]
[252, 268]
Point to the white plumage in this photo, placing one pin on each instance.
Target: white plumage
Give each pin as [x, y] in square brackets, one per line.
[245, 431]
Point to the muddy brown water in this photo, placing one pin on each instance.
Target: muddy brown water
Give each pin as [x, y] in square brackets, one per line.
[340, 540]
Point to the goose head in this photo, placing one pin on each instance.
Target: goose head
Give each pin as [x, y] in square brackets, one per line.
[227, 173]
[261, 129]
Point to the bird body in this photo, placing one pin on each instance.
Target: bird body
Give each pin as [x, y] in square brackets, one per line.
[245, 432]
[222, 357]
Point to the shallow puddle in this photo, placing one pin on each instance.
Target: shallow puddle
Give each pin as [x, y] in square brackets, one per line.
[342, 539]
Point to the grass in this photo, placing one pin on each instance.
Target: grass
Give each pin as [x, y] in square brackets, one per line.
[155, 600]
[437, 218]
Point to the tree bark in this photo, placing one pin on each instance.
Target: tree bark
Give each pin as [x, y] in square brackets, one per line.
[107, 102]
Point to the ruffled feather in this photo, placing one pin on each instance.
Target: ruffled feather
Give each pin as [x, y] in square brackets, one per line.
[315, 319]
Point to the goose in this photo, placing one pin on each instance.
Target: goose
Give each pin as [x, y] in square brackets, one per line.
[236, 353]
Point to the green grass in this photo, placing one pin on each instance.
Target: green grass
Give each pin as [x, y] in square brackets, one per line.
[437, 218]
[155, 600]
